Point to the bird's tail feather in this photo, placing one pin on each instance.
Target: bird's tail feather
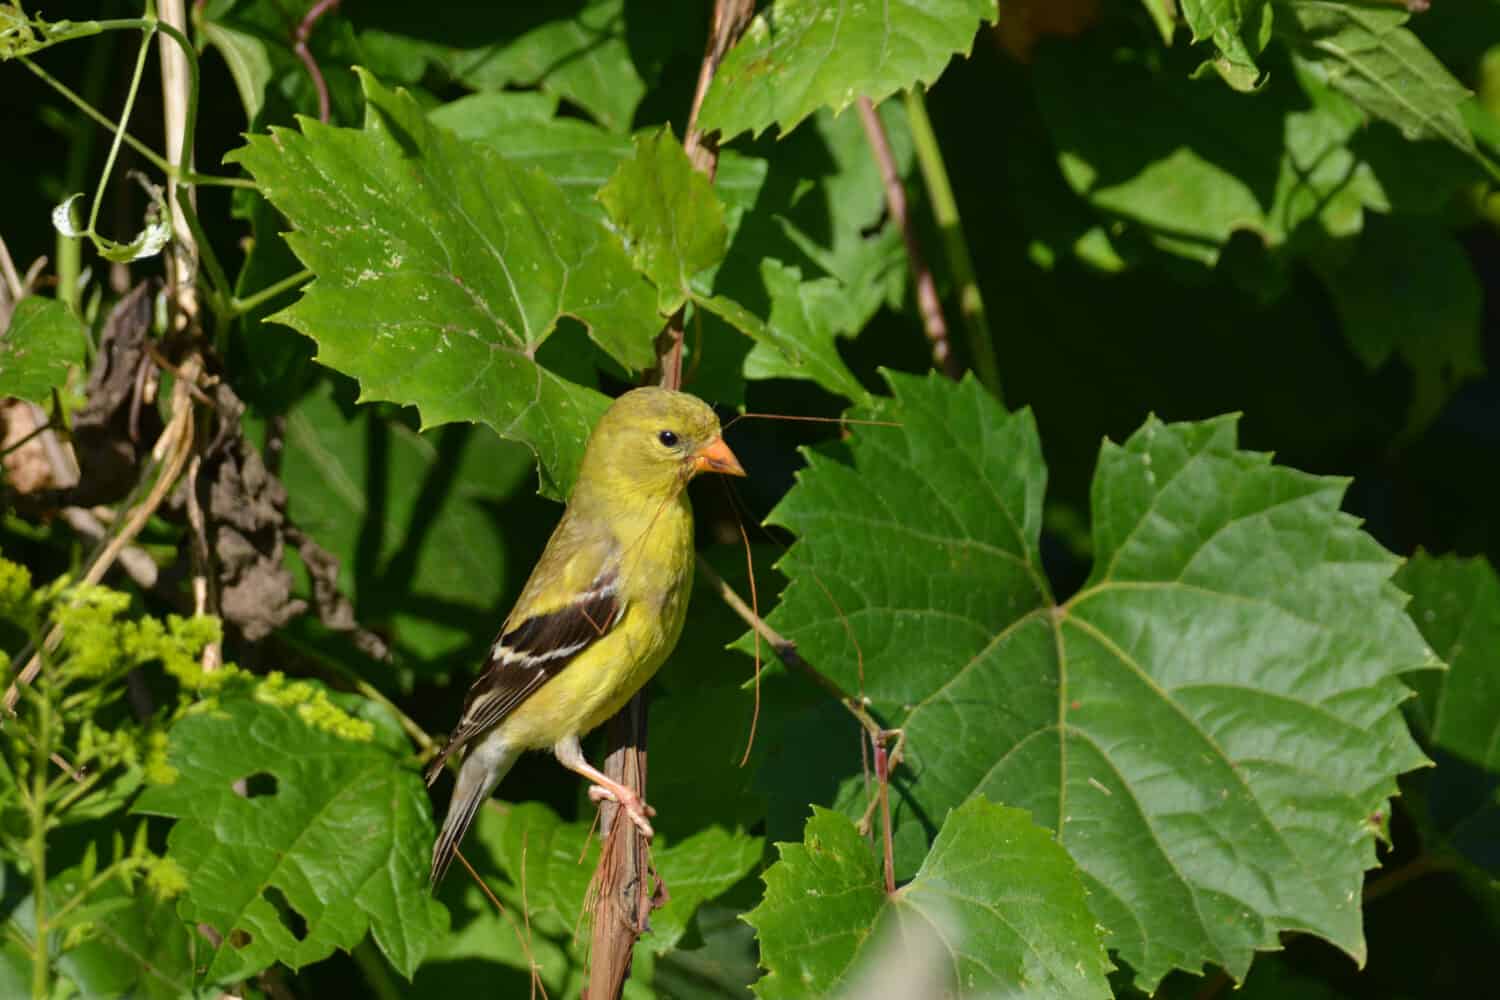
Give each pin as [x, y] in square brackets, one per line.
[483, 767]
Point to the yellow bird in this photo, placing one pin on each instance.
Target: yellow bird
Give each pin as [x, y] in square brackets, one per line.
[601, 611]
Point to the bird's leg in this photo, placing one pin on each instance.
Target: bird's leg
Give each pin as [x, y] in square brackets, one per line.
[570, 755]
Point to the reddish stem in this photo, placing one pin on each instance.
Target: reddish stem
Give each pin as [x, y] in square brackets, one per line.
[299, 46]
[883, 776]
[931, 309]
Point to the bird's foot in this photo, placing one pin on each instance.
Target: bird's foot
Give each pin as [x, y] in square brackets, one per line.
[629, 801]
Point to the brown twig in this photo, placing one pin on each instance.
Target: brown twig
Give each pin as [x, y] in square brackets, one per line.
[731, 17]
[624, 880]
[887, 755]
[931, 309]
[786, 651]
[299, 46]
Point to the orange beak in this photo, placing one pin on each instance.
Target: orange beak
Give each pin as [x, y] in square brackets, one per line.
[716, 457]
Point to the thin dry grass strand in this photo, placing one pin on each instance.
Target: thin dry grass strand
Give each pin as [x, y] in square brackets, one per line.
[842, 421]
[859, 653]
[524, 939]
[739, 522]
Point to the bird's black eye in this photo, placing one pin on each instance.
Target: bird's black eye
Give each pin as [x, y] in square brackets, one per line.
[667, 438]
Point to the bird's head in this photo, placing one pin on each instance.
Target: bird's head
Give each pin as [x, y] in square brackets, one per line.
[652, 440]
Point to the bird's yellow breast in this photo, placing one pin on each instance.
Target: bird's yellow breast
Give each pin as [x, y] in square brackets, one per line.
[656, 577]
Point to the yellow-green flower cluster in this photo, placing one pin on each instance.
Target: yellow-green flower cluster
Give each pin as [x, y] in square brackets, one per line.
[17, 598]
[165, 877]
[158, 768]
[177, 644]
[90, 636]
[313, 705]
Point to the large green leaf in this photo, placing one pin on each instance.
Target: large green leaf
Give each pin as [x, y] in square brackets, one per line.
[410, 516]
[330, 841]
[441, 269]
[803, 55]
[1208, 724]
[43, 341]
[672, 220]
[1365, 52]
[1002, 899]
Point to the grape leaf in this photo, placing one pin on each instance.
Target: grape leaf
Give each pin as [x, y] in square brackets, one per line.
[248, 62]
[1208, 724]
[798, 337]
[331, 842]
[578, 155]
[1239, 30]
[1193, 165]
[671, 218]
[583, 57]
[1456, 604]
[1001, 896]
[1366, 53]
[1408, 287]
[804, 55]
[420, 555]
[43, 341]
[441, 269]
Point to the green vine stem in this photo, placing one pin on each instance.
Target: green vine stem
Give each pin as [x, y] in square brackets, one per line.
[146, 152]
[37, 844]
[150, 25]
[945, 209]
[114, 147]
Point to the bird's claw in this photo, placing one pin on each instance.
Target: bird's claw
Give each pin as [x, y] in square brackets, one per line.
[632, 804]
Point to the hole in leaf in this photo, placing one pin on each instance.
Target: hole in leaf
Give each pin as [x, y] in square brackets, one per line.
[260, 783]
[239, 940]
[290, 918]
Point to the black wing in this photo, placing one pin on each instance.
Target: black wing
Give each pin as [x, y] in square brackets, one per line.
[530, 654]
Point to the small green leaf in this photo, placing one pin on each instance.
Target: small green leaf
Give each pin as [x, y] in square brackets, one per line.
[672, 220]
[583, 56]
[330, 843]
[1366, 53]
[142, 949]
[249, 65]
[798, 338]
[1456, 604]
[1408, 287]
[555, 859]
[1164, 16]
[1189, 165]
[1223, 694]
[1002, 899]
[1239, 30]
[44, 341]
[804, 54]
[441, 270]
[695, 868]
[434, 561]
